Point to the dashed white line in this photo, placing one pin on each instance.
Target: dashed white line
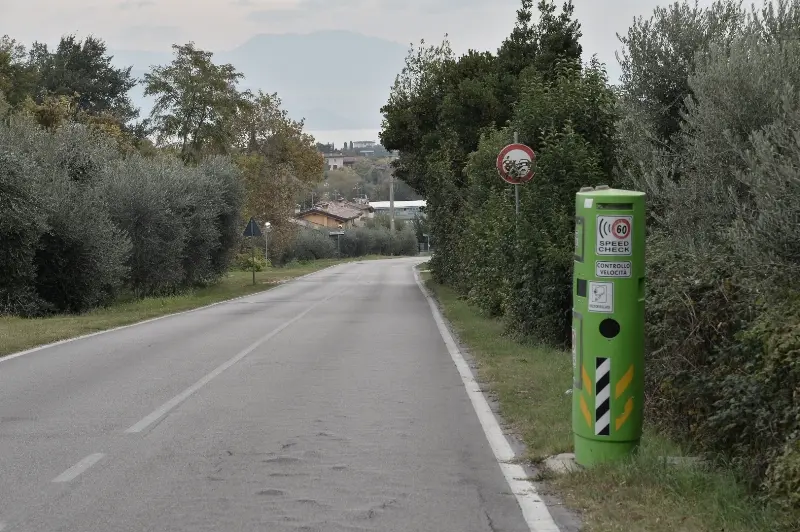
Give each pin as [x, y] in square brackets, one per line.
[534, 510]
[178, 399]
[73, 472]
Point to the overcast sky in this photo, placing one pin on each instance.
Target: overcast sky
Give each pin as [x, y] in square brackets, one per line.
[224, 24]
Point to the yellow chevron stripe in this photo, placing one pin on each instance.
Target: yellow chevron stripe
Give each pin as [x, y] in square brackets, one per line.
[626, 414]
[587, 382]
[585, 409]
[624, 382]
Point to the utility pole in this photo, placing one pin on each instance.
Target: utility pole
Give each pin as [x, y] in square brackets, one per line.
[391, 201]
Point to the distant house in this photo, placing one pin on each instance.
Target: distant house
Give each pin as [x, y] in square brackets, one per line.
[361, 144]
[334, 161]
[403, 210]
[332, 214]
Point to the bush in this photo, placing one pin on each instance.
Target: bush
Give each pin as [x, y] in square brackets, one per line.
[79, 256]
[723, 311]
[80, 262]
[80, 221]
[228, 192]
[146, 197]
[310, 244]
[246, 261]
[21, 224]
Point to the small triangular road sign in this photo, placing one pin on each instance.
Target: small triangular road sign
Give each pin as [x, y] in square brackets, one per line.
[252, 229]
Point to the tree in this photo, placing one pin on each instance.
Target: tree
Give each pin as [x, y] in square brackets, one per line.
[17, 77]
[83, 71]
[278, 161]
[197, 102]
[658, 56]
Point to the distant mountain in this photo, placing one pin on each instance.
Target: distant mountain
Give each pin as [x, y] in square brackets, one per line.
[335, 79]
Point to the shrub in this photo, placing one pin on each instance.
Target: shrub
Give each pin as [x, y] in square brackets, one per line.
[228, 192]
[722, 319]
[21, 224]
[143, 194]
[246, 261]
[310, 244]
[81, 257]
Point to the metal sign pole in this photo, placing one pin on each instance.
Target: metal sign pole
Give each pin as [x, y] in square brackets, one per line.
[516, 187]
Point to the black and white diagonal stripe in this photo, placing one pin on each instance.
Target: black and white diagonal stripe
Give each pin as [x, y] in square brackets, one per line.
[602, 402]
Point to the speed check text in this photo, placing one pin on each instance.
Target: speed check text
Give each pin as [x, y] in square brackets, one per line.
[614, 235]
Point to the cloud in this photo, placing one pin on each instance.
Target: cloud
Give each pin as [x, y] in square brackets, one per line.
[144, 32]
[136, 4]
[276, 15]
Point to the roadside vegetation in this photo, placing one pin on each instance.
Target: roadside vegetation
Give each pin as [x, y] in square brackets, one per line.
[704, 120]
[98, 206]
[529, 381]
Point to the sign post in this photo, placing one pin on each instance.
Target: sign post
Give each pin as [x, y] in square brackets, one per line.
[515, 165]
[608, 324]
[252, 230]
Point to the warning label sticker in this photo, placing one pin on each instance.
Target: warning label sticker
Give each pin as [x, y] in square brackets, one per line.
[603, 268]
[614, 235]
[601, 297]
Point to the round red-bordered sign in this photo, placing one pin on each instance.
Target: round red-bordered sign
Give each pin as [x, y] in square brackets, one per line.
[515, 163]
[621, 229]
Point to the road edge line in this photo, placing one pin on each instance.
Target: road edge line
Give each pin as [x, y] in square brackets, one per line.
[534, 510]
[32, 350]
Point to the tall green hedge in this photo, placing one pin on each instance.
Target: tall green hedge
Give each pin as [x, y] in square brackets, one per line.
[81, 222]
[705, 121]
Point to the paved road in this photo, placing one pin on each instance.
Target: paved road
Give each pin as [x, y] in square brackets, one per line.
[327, 404]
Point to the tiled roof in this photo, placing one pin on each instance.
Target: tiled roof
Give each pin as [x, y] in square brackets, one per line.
[340, 210]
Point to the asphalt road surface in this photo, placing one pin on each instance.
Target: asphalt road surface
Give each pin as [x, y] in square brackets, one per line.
[327, 404]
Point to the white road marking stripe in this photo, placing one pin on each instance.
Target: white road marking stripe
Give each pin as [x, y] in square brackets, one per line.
[98, 333]
[178, 399]
[2, 526]
[73, 472]
[534, 509]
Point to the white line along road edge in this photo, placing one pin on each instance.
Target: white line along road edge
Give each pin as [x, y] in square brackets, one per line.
[73, 472]
[165, 316]
[178, 399]
[534, 510]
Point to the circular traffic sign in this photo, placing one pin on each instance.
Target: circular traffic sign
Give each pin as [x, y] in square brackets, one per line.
[515, 163]
[621, 229]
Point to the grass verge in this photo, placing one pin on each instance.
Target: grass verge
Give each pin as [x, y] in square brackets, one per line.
[640, 494]
[19, 334]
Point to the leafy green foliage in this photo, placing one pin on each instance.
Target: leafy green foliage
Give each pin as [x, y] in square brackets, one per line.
[196, 102]
[21, 225]
[720, 169]
[83, 72]
[449, 118]
[85, 222]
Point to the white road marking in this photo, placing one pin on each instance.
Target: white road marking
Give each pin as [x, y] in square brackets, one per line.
[83, 337]
[2, 526]
[178, 399]
[73, 472]
[534, 509]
